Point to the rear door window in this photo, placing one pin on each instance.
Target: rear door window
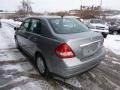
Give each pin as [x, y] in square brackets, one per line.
[35, 26]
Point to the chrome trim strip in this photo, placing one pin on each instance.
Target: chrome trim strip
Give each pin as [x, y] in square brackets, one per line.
[89, 43]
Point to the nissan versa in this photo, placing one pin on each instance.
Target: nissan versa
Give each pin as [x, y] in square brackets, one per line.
[60, 45]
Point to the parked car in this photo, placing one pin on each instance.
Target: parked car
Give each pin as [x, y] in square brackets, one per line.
[19, 19]
[114, 28]
[60, 45]
[97, 25]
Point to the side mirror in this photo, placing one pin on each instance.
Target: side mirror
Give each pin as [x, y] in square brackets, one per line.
[16, 28]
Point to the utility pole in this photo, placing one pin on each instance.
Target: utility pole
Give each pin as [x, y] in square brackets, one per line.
[101, 7]
[24, 6]
[28, 5]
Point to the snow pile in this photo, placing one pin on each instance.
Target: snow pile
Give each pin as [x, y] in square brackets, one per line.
[112, 42]
[6, 37]
[114, 17]
[8, 51]
[11, 22]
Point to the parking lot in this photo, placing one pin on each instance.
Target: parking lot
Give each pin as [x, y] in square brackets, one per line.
[17, 72]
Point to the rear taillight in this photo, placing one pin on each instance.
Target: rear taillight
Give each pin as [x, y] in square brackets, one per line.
[64, 51]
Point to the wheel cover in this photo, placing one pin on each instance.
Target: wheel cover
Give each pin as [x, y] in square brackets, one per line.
[40, 65]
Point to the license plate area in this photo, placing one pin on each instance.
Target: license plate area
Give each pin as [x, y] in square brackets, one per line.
[90, 49]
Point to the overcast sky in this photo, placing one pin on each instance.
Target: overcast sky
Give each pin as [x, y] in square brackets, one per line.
[58, 5]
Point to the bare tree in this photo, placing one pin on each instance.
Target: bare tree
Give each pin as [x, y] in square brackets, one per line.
[25, 8]
[89, 12]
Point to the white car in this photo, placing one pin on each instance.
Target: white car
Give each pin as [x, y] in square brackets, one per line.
[98, 25]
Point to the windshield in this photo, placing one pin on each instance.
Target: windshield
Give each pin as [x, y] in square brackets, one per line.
[67, 26]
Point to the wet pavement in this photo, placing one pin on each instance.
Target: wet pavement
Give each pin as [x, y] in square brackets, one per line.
[18, 73]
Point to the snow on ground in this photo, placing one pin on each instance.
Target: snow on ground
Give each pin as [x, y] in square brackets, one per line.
[112, 42]
[74, 81]
[35, 85]
[116, 62]
[11, 55]
[23, 66]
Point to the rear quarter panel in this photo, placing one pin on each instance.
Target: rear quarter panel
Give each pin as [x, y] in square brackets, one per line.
[47, 47]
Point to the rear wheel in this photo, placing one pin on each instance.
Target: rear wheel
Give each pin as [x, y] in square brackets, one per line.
[41, 66]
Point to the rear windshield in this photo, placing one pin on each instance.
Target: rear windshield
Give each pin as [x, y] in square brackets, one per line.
[67, 26]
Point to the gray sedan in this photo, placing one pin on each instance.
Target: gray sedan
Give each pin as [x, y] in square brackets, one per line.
[60, 45]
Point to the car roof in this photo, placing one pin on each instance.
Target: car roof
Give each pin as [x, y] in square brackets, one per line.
[95, 19]
[50, 17]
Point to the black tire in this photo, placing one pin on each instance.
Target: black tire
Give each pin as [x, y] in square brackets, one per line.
[104, 35]
[42, 69]
[17, 44]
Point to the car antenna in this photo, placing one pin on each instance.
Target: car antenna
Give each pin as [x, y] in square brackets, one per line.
[62, 15]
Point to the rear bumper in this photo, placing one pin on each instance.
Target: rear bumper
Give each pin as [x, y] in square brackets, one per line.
[82, 65]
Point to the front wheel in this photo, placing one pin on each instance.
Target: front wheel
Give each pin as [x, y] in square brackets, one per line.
[104, 35]
[17, 45]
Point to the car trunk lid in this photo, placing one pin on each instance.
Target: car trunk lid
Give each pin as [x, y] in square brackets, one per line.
[84, 44]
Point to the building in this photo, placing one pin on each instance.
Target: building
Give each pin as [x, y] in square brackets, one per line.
[74, 12]
[6, 14]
